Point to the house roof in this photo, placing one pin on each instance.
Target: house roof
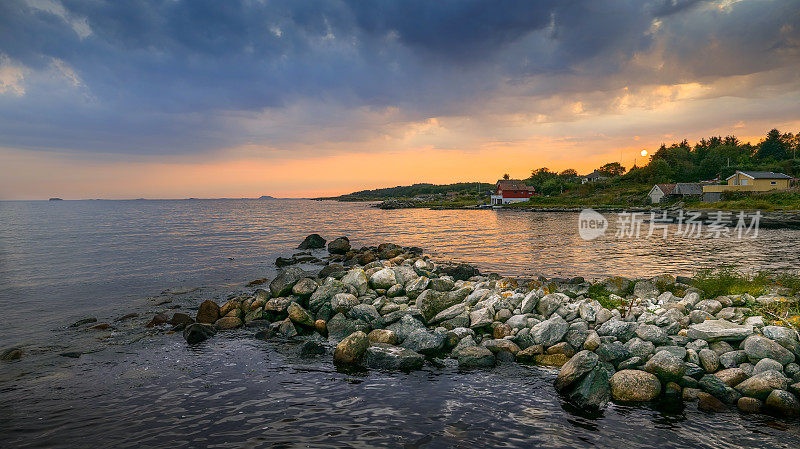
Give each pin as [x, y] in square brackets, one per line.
[688, 188]
[665, 188]
[513, 184]
[595, 174]
[761, 175]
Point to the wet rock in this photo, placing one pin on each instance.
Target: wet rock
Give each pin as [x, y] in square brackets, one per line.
[612, 352]
[593, 391]
[283, 283]
[500, 345]
[709, 403]
[313, 241]
[578, 366]
[127, 316]
[475, 357]
[83, 321]
[749, 405]
[11, 354]
[634, 386]
[718, 330]
[333, 269]
[228, 322]
[312, 348]
[460, 272]
[555, 360]
[351, 348]
[366, 313]
[321, 327]
[180, 319]
[278, 305]
[299, 315]
[760, 385]
[340, 245]
[388, 357]
[339, 327]
[382, 336]
[197, 332]
[757, 347]
[714, 386]
[666, 367]
[158, 320]
[783, 403]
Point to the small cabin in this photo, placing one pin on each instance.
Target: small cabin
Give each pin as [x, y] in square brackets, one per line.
[509, 191]
[747, 181]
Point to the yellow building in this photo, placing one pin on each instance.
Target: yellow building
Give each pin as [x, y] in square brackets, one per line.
[747, 181]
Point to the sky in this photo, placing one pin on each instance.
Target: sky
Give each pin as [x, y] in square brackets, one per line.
[289, 98]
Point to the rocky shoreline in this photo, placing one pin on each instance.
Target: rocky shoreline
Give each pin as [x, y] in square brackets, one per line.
[389, 307]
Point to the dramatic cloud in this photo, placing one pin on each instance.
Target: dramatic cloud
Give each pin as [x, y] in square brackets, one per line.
[308, 78]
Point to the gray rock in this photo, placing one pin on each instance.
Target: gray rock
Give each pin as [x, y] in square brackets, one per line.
[351, 348]
[711, 306]
[645, 290]
[481, 317]
[389, 357]
[717, 388]
[709, 360]
[639, 348]
[592, 391]
[760, 385]
[424, 342]
[358, 279]
[475, 357]
[757, 347]
[324, 293]
[783, 336]
[304, 287]
[339, 246]
[383, 279]
[613, 351]
[549, 303]
[366, 313]
[783, 402]
[621, 330]
[339, 327]
[283, 283]
[529, 303]
[313, 241]
[405, 326]
[634, 386]
[717, 330]
[448, 313]
[197, 332]
[732, 359]
[655, 334]
[343, 302]
[666, 366]
[764, 365]
[549, 332]
[579, 365]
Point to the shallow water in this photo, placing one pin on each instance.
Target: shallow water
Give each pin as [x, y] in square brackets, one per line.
[62, 261]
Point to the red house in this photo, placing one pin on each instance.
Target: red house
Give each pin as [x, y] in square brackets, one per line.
[509, 191]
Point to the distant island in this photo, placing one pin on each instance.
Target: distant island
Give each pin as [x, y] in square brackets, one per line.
[56, 199]
[266, 197]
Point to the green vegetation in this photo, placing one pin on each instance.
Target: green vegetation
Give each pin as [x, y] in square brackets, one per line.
[770, 201]
[432, 192]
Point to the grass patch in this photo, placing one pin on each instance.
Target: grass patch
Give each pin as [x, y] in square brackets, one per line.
[769, 201]
[603, 296]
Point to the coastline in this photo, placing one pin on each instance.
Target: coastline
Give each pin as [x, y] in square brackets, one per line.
[660, 339]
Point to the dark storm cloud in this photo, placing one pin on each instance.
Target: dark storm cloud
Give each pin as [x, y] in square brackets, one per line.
[173, 76]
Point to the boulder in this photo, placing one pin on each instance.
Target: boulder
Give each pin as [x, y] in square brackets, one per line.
[719, 330]
[343, 302]
[405, 326]
[593, 391]
[645, 290]
[757, 347]
[351, 348]
[783, 403]
[313, 241]
[709, 360]
[425, 342]
[767, 365]
[339, 327]
[208, 312]
[340, 245]
[555, 360]
[382, 336]
[549, 332]
[621, 330]
[283, 283]
[760, 385]
[388, 357]
[708, 403]
[749, 405]
[304, 287]
[634, 386]
[383, 279]
[715, 387]
[579, 365]
[475, 357]
[228, 322]
[299, 315]
[550, 303]
[323, 294]
[197, 332]
[731, 376]
[666, 367]
[358, 279]
[500, 345]
[481, 317]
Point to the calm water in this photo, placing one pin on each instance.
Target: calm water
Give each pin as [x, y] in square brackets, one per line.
[62, 261]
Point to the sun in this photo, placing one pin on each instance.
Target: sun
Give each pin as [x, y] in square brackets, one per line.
[644, 153]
